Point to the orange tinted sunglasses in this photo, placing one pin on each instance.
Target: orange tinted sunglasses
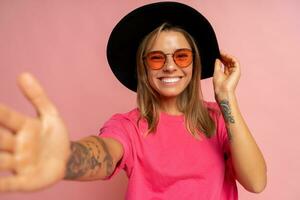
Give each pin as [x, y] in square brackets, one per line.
[157, 59]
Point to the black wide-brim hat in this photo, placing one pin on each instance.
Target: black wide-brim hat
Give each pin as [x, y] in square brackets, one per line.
[127, 35]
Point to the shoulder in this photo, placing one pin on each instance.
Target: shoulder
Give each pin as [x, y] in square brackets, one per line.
[216, 114]
[123, 119]
[120, 124]
[131, 115]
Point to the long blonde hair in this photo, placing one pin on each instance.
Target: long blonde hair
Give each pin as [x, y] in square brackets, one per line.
[190, 101]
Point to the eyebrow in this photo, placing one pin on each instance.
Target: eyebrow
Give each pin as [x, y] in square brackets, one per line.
[168, 52]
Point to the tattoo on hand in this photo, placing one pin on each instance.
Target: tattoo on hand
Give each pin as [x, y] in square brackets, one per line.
[84, 160]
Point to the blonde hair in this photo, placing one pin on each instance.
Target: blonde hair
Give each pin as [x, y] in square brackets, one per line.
[190, 101]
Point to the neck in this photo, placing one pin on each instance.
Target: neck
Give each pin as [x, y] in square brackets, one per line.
[169, 106]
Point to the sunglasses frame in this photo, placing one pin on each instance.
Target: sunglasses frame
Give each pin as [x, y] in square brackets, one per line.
[165, 56]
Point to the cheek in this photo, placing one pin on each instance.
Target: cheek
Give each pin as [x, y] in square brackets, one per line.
[151, 78]
[189, 73]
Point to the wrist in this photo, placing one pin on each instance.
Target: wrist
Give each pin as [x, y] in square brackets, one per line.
[225, 96]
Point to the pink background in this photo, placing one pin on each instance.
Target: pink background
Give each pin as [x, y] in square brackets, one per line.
[63, 43]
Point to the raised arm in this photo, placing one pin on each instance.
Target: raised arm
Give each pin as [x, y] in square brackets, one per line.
[248, 161]
[38, 151]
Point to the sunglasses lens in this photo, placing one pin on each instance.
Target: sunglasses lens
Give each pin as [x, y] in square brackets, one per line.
[183, 57]
[156, 60]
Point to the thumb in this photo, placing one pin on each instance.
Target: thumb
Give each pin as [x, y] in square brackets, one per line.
[34, 92]
[218, 66]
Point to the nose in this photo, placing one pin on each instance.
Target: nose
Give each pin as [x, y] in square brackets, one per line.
[170, 65]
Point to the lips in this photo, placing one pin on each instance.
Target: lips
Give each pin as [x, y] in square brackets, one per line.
[170, 79]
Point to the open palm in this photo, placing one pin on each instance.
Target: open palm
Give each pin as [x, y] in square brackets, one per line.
[36, 150]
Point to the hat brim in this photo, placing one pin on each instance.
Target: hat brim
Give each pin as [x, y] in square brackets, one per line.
[129, 32]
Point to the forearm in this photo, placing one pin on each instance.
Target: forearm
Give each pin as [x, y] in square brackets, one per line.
[248, 161]
[90, 159]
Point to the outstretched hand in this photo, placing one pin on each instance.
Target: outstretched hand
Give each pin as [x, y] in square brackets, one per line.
[35, 150]
[225, 81]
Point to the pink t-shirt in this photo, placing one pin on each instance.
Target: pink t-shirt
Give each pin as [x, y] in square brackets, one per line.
[171, 163]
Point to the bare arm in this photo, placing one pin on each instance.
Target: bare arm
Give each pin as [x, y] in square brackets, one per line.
[248, 161]
[38, 152]
[93, 158]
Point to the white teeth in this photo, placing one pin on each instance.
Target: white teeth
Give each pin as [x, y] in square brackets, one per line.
[170, 80]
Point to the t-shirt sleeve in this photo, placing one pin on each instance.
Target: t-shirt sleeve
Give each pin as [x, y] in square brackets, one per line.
[117, 128]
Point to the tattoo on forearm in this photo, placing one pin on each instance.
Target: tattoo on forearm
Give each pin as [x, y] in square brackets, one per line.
[226, 110]
[84, 160]
[108, 158]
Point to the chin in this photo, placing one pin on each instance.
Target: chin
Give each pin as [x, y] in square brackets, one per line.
[169, 94]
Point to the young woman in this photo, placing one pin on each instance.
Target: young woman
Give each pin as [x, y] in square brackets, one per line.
[174, 145]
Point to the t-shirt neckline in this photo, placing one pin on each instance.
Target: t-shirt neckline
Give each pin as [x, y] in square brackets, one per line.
[169, 117]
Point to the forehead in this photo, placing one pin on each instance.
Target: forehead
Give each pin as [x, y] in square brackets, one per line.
[168, 41]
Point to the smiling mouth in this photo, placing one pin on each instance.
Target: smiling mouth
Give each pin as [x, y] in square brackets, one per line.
[170, 80]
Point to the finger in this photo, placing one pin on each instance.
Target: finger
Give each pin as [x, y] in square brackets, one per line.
[229, 59]
[231, 63]
[6, 161]
[226, 56]
[7, 141]
[218, 66]
[10, 184]
[11, 119]
[34, 92]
